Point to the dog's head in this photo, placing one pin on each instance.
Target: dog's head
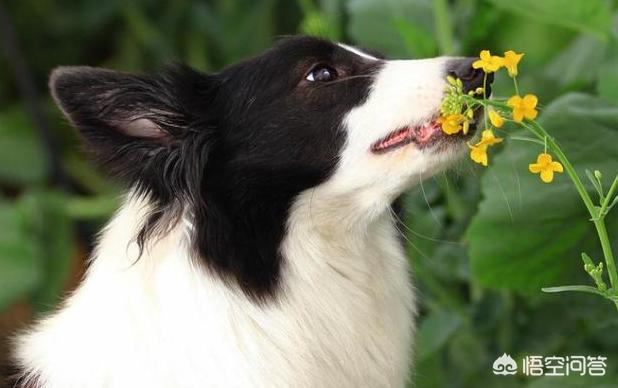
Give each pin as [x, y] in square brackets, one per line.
[233, 150]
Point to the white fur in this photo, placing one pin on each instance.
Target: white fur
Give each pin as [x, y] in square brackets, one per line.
[345, 313]
[358, 52]
[405, 93]
[344, 318]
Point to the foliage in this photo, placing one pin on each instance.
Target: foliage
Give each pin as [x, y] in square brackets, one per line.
[478, 300]
[552, 223]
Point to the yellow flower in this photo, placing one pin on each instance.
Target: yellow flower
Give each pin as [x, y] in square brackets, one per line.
[478, 152]
[495, 118]
[489, 63]
[453, 123]
[511, 59]
[488, 138]
[546, 167]
[523, 108]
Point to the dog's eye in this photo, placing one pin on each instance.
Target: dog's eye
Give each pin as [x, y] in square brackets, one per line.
[321, 73]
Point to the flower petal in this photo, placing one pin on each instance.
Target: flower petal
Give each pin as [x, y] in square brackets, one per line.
[514, 101]
[487, 135]
[452, 129]
[478, 64]
[495, 119]
[496, 140]
[479, 154]
[544, 159]
[557, 167]
[534, 168]
[547, 176]
[511, 59]
[496, 62]
[531, 114]
[530, 100]
[518, 115]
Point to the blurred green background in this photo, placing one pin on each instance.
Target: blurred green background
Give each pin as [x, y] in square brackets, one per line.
[482, 242]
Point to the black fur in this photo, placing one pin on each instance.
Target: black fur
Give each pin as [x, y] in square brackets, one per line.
[231, 150]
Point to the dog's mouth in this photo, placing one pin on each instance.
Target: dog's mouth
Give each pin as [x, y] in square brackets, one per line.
[423, 136]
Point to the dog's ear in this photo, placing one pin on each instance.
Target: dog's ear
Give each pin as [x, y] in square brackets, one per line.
[130, 121]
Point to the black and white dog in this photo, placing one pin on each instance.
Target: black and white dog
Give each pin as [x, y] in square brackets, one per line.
[257, 245]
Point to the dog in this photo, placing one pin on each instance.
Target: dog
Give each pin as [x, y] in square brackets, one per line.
[256, 245]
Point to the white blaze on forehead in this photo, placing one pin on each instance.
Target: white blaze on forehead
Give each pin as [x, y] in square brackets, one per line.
[358, 52]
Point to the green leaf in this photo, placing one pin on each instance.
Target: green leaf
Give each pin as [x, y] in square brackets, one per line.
[398, 28]
[418, 41]
[607, 85]
[434, 332]
[324, 21]
[578, 63]
[20, 269]
[316, 24]
[577, 288]
[91, 208]
[21, 153]
[239, 28]
[527, 234]
[590, 16]
[35, 248]
[51, 233]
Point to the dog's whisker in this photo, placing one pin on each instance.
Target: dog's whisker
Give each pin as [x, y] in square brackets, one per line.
[504, 196]
[420, 235]
[340, 80]
[433, 215]
[405, 237]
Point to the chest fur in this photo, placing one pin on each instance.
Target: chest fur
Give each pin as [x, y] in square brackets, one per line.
[343, 318]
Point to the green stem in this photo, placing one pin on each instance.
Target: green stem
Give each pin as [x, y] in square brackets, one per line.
[516, 86]
[542, 134]
[609, 196]
[526, 139]
[473, 101]
[485, 98]
[607, 252]
[597, 219]
[590, 289]
[444, 26]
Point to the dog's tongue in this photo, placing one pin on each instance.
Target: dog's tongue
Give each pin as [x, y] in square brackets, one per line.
[425, 133]
[420, 135]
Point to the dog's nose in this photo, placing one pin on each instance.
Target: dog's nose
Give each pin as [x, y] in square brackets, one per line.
[470, 77]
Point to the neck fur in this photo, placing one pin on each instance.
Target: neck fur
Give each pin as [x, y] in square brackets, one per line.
[343, 316]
